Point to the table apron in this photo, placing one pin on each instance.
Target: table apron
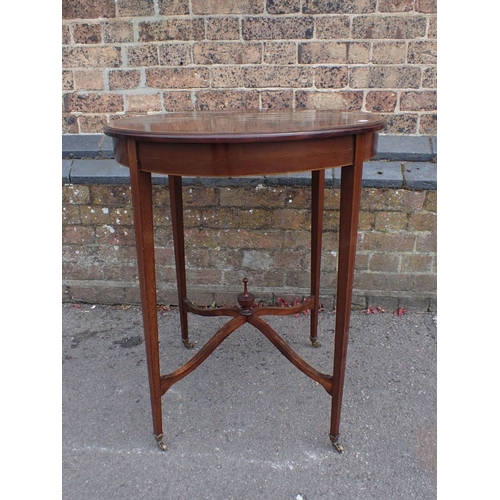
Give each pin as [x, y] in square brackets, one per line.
[245, 158]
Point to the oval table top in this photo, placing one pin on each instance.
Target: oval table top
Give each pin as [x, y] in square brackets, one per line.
[244, 125]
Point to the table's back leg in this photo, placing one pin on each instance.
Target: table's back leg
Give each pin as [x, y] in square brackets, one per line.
[144, 233]
[350, 196]
[317, 204]
[175, 189]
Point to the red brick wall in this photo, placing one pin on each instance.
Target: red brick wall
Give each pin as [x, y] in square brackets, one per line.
[260, 231]
[136, 56]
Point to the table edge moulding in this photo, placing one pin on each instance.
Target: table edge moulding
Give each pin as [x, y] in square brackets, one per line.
[245, 143]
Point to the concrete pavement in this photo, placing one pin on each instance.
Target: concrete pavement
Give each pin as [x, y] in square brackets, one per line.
[247, 424]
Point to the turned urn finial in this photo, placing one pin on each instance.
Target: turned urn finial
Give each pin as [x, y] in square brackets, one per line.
[246, 300]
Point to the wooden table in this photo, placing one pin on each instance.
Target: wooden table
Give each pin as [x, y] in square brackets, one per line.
[243, 143]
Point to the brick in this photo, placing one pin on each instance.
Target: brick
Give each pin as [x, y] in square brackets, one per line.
[428, 124]
[124, 79]
[79, 235]
[384, 263]
[422, 52]
[282, 6]
[387, 242]
[383, 281]
[174, 54]
[180, 78]
[339, 6]
[207, 53]
[142, 55]
[335, 100]
[173, 7]
[418, 101]
[76, 194]
[103, 102]
[143, 103]
[333, 27]
[390, 221]
[227, 7]
[422, 221]
[381, 101]
[291, 260]
[109, 234]
[429, 78]
[424, 282]
[416, 263]
[358, 52]
[426, 243]
[90, 9]
[71, 215]
[218, 28]
[432, 27]
[200, 197]
[426, 6]
[230, 99]
[66, 35]
[211, 218]
[178, 101]
[389, 26]
[401, 124]
[110, 195]
[132, 8]
[430, 203]
[91, 57]
[92, 124]
[288, 219]
[92, 79]
[254, 198]
[67, 80]
[385, 77]
[389, 52]
[277, 28]
[278, 76]
[280, 53]
[120, 273]
[171, 29]
[276, 99]
[87, 33]
[322, 52]
[253, 240]
[396, 5]
[118, 31]
[331, 77]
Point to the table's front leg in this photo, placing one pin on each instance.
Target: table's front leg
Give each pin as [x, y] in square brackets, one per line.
[144, 233]
[350, 197]
[175, 189]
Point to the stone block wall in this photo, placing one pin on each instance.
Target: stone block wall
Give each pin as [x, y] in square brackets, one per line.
[124, 57]
[257, 227]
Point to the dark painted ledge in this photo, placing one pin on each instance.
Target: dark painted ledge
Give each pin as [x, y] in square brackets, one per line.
[401, 162]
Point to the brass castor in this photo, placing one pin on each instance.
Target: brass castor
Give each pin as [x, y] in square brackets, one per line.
[187, 344]
[336, 444]
[315, 342]
[160, 443]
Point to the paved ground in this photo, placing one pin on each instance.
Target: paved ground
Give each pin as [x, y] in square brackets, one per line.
[247, 424]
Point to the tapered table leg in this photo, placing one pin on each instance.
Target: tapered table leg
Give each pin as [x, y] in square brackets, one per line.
[144, 233]
[317, 203]
[175, 189]
[350, 196]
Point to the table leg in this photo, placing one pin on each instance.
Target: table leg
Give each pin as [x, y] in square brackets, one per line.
[175, 189]
[350, 196]
[142, 201]
[317, 203]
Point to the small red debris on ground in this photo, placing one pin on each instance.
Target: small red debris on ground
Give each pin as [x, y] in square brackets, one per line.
[374, 310]
[400, 311]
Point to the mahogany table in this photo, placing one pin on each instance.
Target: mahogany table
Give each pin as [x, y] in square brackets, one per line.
[244, 143]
